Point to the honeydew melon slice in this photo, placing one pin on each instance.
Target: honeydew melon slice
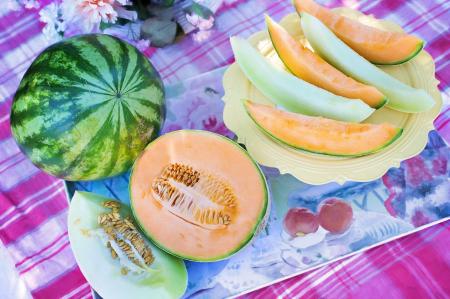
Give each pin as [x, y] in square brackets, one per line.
[293, 93]
[401, 96]
[166, 277]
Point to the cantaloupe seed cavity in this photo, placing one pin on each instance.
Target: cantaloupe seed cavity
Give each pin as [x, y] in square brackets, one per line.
[123, 240]
[195, 196]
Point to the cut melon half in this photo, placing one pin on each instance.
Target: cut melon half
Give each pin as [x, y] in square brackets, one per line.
[116, 259]
[402, 97]
[310, 67]
[377, 46]
[198, 195]
[321, 135]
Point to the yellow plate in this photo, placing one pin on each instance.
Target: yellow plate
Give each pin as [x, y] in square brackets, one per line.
[319, 169]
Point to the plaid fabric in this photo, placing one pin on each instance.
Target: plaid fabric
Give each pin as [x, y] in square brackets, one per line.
[33, 206]
[416, 266]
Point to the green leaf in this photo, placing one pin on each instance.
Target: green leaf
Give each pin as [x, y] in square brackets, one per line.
[199, 10]
[104, 25]
[140, 6]
[159, 32]
[161, 12]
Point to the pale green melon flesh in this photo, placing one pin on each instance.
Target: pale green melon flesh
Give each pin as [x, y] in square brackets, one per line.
[103, 272]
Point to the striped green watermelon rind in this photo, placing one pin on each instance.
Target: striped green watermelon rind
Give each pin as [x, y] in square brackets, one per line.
[87, 106]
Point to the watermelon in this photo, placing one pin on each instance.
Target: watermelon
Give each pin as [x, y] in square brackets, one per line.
[87, 106]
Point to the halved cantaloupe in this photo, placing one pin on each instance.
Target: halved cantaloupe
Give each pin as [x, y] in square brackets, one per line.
[377, 46]
[198, 195]
[310, 67]
[402, 97]
[321, 135]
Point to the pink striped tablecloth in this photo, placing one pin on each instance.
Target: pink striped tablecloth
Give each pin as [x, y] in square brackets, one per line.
[33, 205]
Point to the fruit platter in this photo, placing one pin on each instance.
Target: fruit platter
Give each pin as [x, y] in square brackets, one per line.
[296, 163]
[399, 99]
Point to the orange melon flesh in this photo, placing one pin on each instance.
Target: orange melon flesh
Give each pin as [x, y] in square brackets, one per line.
[218, 156]
[377, 46]
[321, 135]
[310, 67]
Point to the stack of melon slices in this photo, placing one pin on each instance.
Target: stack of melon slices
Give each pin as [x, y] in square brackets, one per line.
[333, 88]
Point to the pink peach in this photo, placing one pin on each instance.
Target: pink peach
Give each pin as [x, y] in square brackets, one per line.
[335, 215]
[300, 220]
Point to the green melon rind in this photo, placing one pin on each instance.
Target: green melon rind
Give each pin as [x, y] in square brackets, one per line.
[419, 48]
[279, 140]
[402, 97]
[259, 224]
[383, 101]
[174, 273]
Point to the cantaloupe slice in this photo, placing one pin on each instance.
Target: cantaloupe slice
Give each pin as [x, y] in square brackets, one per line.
[198, 195]
[401, 96]
[321, 135]
[377, 46]
[310, 67]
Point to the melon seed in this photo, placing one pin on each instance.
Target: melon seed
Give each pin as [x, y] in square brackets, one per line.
[123, 232]
[111, 204]
[195, 196]
[113, 252]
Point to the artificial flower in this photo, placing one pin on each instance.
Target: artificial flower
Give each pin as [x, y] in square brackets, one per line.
[201, 35]
[199, 22]
[88, 14]
[142, 44]
[203, 25]
[55, 26]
